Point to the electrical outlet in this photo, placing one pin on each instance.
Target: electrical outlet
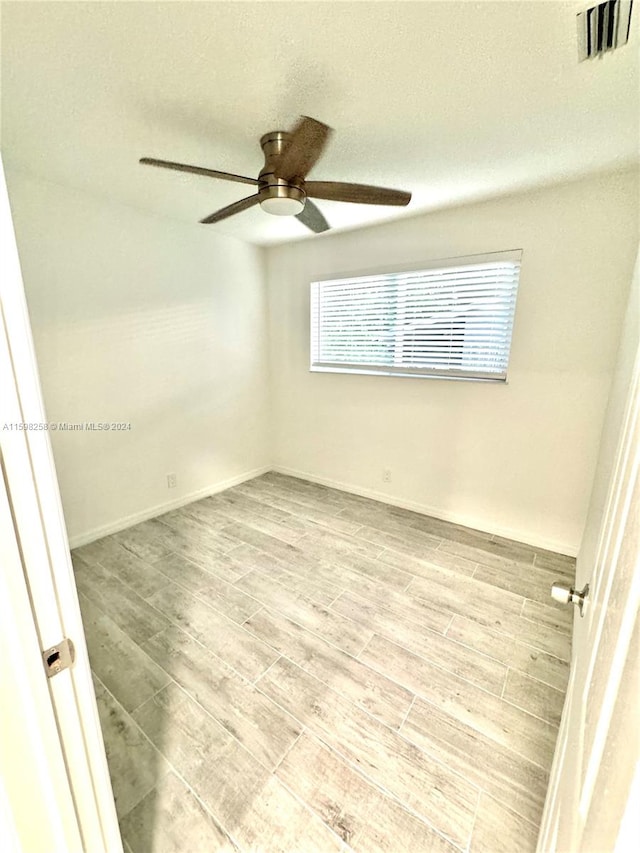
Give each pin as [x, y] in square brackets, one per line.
[172, 481]
[386, 475]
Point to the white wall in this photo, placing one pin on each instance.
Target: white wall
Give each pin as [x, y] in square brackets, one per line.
[149, 321]
[515, 459]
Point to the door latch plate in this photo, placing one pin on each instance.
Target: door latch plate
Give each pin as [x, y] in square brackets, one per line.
[58, 657]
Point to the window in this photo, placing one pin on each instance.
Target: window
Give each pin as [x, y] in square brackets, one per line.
[452, 319]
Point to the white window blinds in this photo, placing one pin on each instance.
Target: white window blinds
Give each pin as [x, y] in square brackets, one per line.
[452, 320]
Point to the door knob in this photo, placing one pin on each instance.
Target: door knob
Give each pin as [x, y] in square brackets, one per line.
[570, 595]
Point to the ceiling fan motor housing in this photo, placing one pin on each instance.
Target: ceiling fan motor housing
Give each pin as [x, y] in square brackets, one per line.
[277, 195]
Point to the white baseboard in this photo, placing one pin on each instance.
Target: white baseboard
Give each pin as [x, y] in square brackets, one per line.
[445, 515]
[159, 509]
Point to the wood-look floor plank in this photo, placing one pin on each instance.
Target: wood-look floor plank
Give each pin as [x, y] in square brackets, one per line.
[556, 563]
[444, 799]
[208, 586]
[136, 573]
[325, 593]
[502, 547]
[322, 495]
[261, 726]
[317, 495]
[354, 564]
[423, 565]
[518, 636]
[135, 765]
[275, 523]
[543, 667]
[559, 617]
[312, 570]
[493, 608]
[396, 573]
[190, 523]
[484, 556]
[143, 540]
[334, 545]
[533, 696]
[208, 557]
[393, 615]
[509, 777]
[527, 581]
[399, 605]
[396, 520]
[231, 642]
[99, 550]
[251, 503]
[446, 529]
[226, 567]
[114, 656]
[324, 517]
[507, 559]
[498, 829]
[345, 674]
[197, 543]
[139, 619]
[363, 816]
[466, 596]
[358, 574]
[507, 550]
[186, 573]
[409, 541]
[250, 803]
[432, 645]
[171, 818]
[194, 516]
[346, 635]
[274, 547]
[383, 519]
[375, 514]
[250, 559]
[510, 726]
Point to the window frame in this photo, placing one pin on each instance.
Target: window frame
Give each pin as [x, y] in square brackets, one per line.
[513, 255]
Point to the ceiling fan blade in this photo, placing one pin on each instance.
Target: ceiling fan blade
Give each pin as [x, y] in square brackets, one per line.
[236, 207]
[303, 148]
[355, 193]
[313, 218]
[197, 170]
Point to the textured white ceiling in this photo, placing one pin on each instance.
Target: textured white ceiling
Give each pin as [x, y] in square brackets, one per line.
[451, 100]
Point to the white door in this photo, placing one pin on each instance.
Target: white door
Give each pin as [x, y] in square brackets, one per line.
[38, 592]
[590, 804]
[34, 788]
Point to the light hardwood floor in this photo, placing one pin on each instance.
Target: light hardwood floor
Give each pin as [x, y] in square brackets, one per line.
[286, 667]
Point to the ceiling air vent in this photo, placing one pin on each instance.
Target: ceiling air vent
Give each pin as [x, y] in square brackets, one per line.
[603, 27]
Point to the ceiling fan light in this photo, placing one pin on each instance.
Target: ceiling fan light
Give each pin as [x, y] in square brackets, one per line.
[280, 206]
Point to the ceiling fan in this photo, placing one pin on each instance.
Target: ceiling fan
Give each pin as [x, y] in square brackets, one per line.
[282, 186]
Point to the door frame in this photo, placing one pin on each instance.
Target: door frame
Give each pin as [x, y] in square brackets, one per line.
[40, 539]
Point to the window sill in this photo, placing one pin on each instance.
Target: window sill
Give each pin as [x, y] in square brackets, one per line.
[361, 371]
